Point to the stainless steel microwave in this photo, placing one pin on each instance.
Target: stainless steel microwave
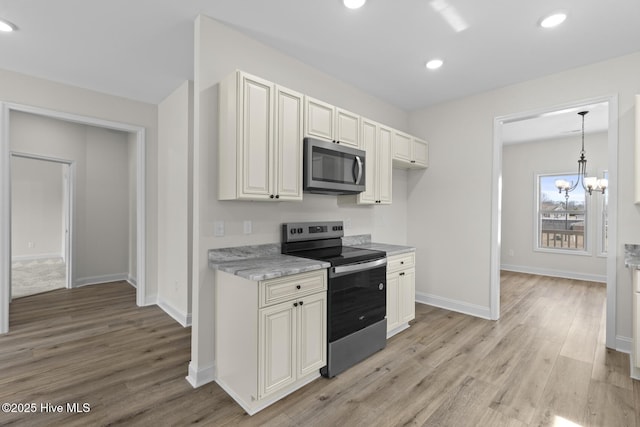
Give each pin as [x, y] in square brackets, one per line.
[331, 168]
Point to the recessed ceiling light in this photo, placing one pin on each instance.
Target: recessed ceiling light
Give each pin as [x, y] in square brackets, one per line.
[6, 26]
[354, 4]
[434, 64]
[553, 20]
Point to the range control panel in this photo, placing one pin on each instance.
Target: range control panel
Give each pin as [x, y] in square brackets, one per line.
[301, 231]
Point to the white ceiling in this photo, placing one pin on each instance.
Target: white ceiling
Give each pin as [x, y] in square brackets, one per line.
[143, 49]
[557, 124]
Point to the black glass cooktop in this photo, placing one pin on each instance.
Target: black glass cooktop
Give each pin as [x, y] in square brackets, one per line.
[341, 255]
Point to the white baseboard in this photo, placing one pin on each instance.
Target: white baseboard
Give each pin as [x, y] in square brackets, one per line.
[36, 257]
[623, 344]
[397, 330]
[199, 377]
[454, 305]
[555, 273]
[179, 316]
[132, 281]
[95, 280]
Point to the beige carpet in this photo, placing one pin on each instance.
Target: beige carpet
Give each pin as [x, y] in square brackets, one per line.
[36, 276]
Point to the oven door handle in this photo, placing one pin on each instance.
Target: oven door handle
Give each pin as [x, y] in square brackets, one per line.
[354, 268]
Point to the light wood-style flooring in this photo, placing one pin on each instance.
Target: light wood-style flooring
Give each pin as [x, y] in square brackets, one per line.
[543, 363]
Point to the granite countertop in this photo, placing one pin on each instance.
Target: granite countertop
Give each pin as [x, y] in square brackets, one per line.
[261, 262]
[364, 241]
[632, 256]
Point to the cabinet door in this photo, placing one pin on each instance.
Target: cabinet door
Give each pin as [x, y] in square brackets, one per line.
[288, 144]
[393, 314]
[368, 144]
[256, 136]
[312, 333]
[318, 119]
[420, 153]
[347, 128]
[384, 168]
[277, 348]
[407, 295]
[401, 146]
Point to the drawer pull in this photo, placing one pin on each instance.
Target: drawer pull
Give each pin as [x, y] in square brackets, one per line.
[301, 302]
[298, 286]
[295, 304]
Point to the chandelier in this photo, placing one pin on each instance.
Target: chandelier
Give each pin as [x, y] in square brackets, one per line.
[589, 183]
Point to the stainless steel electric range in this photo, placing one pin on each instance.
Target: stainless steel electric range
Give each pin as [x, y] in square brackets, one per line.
[356, 295]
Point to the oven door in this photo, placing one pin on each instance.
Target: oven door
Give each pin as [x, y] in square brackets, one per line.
[357, 297]
[331, 168]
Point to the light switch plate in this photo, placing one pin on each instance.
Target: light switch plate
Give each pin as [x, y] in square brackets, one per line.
[248, 227]
[218, 228]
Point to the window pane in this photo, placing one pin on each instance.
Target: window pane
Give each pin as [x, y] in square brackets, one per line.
[561, 219]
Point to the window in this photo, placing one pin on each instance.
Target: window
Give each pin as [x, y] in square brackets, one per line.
[561, 219]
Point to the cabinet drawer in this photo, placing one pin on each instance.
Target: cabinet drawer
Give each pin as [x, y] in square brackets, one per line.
[290, 287]
[400, 262]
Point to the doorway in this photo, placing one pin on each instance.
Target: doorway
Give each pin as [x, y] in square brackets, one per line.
[496, 234]
[41, 226]
[137, 135]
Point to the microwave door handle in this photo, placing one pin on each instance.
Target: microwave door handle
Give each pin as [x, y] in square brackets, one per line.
[359, 175]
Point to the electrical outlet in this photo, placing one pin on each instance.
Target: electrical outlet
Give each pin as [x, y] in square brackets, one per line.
[511, 252]
[248, 227]
[218, 228]
[30, 245]
[347, 223]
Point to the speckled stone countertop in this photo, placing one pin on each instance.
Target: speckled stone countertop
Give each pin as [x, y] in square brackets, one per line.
[260, 262]
[632, 256]
[364, 241]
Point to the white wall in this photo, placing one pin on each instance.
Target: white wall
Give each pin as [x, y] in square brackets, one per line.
[175, 129]
[26, 90]
[219, 50]
[133, 196]
[449, 209]
[36, 209]
[101, 214]
[521, 163]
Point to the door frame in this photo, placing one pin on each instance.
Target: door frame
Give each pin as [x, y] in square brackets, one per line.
[5, 197]
[68, 206]
[496, 206]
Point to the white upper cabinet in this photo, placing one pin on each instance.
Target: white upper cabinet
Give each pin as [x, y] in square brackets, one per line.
[347, 130]
[401, 147]
[288, 144]
[319, 119]
[409, 152]
[260, 140]
[376, 142]
[325, 121]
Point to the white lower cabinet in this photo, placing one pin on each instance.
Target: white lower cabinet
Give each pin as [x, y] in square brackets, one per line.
[401, 292]
[292, 341]
[635, 327]
[270, 336]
